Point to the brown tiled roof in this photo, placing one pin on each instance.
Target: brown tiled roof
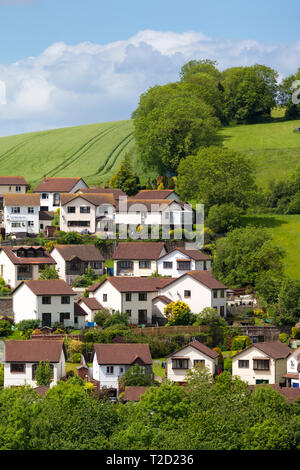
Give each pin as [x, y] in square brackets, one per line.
[196, 255]
[149, 204]
[28, 199]
[164, 299]
[273, 349]
[46, 215]
[78, 311]
[17, 180]
[91, 303]
[115, 191]
[82, 252]
[9, 251]
[200, 347]
[48, 287]
[291, 394]
[135, 284]
[138, 250]
[122, 353]
[95, 199]
[153, 194]
[33, 350]
[57, 185]
[206, 278]
[134, 393]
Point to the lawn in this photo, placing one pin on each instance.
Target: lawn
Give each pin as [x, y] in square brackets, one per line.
[273, 147]
[157, 368]
[285, 230]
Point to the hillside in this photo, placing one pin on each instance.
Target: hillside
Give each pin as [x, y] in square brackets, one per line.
[273, 147]
[93, 152]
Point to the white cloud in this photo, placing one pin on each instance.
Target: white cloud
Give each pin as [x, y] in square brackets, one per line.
[86, 83]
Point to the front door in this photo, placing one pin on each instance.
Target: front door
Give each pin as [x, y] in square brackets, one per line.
[142, 317]
[46, 319]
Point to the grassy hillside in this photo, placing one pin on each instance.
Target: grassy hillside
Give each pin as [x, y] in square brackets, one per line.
[93, 152]
[285, 230]
[273, 147]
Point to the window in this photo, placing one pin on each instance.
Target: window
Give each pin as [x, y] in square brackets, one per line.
[261, 364]
[180, 363]
[85, 210]
[126, 264]
[222, 294]
[128, 296]
[15, 210]
[78, 223]
[204, 266]
[142, 317]
[104, 297]
[64, 316]
[45, 196]
[168, 265]
[109, 369]
[243, 364]
[71, 209]
[30, 223]
[222, 311]
[143, 296]
[46, 300]
[95, 264]
[56, 199]
[215, 294]
[145, 264]
[17, 368]
[187, 294]
[199, 362]
[121, 370]
[30, 210]
[183, 265]
[18, 189]
[65, 299]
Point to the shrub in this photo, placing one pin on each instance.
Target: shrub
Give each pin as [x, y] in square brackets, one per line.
[43, 374]
[240, 342]
[74, 346]
[76, 358]
[5, 328]
[25, 325]
[295, 333]
[228, 364]
[101, 317]
[284, 338]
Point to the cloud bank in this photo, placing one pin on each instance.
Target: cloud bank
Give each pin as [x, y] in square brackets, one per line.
[87, 83]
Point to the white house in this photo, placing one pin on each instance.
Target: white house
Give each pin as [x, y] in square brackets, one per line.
[50, 189]
[186, 358]
[180, 260]
[73, 260]
[167, 194]
[48, 301]
[21, 359]
[19, 263]
[91, 306]
[12, 185]
[111, 361]
[293, 369]
[137, 258]
[21, 214]
[262, 363]
[198, 289]
[87, 212]
[131, 295]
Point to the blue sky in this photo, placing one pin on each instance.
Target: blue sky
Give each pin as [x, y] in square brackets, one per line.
[72, 62]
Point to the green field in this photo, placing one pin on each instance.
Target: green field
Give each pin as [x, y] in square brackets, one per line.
[273, 147]
[285, 230]
[92, 152]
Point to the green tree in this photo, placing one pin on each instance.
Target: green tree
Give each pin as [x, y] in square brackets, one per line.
[125, 178]
[286, 90]
[136, 376]
[49, 272]
[216, 176]
[170, 124]
[289, 302]
[244, 255]
[223, 218]
[101, 316]
[43, 374]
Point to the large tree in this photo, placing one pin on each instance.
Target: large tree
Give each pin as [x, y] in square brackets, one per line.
[171, 122]
[286, 91]
[216, 176]
[241, 258]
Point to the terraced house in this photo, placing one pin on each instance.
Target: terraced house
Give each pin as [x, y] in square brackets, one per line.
[20, 263]
[50, 189]
[12, 185]
[137, 258]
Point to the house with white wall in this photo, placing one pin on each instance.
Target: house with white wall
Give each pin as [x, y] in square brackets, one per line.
[21, 214]
[181, 260]
[20, 263]
[21, 359]
[111, 361]
[293, 369]
[198, 289]
[262, 363]
[187, 358]
[73, 260]
[91, 306]
[91, 213]
[12, 185]
[48, 301]
[168, 194]
[50, 189]
[137, 258]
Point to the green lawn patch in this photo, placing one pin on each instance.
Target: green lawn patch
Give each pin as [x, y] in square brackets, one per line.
[157, 368]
